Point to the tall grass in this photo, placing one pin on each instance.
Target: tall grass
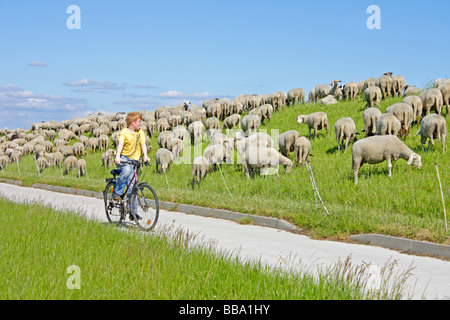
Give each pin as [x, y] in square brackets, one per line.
[40, 246]
[408, 204]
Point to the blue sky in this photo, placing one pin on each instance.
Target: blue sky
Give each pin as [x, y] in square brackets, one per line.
[133, 55]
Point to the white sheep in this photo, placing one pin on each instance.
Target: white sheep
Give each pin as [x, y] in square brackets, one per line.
[404, 112]
[388, 124]
[108, 158]
[432, 100]
[317, 121]
[200, 167]
[176, 145]
[370, 119]
[445, 90]
[411, 90]
[196, 130]
[373, 96]
[70, 163]
[163, 159]
[266, 111]
[78, 149]
[351, 90]
[164, 138]
[81, 167]
[263, 159]
[433, 126]
[286, 141]
[250, 123]
[295, 96]
[232, 121]
[376, 149]
[416, 103]
[302, 148]
[345, 129]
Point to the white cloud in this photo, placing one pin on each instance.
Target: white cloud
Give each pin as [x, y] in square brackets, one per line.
[90, 85]
[173, 94]
[37, 64]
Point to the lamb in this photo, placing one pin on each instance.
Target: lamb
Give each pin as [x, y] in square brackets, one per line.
[263, 159]
[433, 126]
[316, 121]
[108, 158]
[405, 114]
[302, 148]
[416, 103]
[78, 149]
[432, 100]
[376, 149]
[370, 118]
[81, 167]
[70, 163]
[388, 124]
[163, 159]
[345, 129]
[200, 167]
[286, 141]
[373, 96]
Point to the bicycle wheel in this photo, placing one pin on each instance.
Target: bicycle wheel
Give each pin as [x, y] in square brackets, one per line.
[147, 204]
[112, 208]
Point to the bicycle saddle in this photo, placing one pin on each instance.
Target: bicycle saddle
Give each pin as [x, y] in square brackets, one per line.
[115, 172]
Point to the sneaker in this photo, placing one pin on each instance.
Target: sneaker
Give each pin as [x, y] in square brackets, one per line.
[116, 196]
[138, 217]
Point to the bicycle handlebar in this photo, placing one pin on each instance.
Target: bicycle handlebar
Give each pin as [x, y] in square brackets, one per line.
[135, 162]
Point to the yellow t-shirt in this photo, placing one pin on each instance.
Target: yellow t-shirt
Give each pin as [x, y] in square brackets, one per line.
[131, 143]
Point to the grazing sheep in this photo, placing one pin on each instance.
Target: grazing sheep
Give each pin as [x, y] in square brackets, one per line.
[256, 139]
[163, 159]
[411, 90]
[321, 91]
[65, 150]
[351, 90]
[388, 124]
[200, 167]
[70, 163]
[104, 141]
[312, 96]
[439, 82]
[345, 129]
[416, 103]
[196, 130]
[250, 123]
[162, 125]
[180, 132]
[175, 120]
[263, 159]
[266, 111]
[216, 154]
[55, 158]
[385, 83]
[433, 126]
[296, 96]
[398, 85]
[302, 148]
[163, 138]
[316, 121]
[236, 107]
[432, 100]
[286, 141]
[78, 149]
[232, 121]
[176, 145]
[328, 100]
[214, 110]
[335, 91]
[108, 158]
[81, 167]
[445, 90]
[376, 149]
[84, 140]
[92, 144]
[373, 96]
[213, 125]
[404, 112]
[4, 160]
[370, 118]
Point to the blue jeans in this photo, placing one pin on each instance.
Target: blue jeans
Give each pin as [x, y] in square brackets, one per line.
[125, 177]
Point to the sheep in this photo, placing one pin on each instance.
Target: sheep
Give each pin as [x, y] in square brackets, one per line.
[4, 160]
[258, 138]
[163, 159]
[385, 83]
[404, 112]
[78, 149]
[212, 124]
[345, 129]
[103, 141]
[175, 120]
[65, 150]
[151, 127]
[286, 141]
[312, 95]
[108, 158]
[370, 119]
[295, 96]
[433, 126]
[263, 159]
[302, 148]
[163, 138]
[439, 82]
[214, 110]
[373, 96]
[316, 121]
[196, 130]
[250, 123]
[411, 90]
[176, 145]
[162, 125]
[445, 90]
[432, 99]
[351, 90]
[369, 82]
[328, 100]
[335, 90]
[84, 140]
[216, 154]
[70, 163]
[92, 144]
[81, 167]
[321, 91]
[232, 121]
[388, 124]
[398, 85]
[416, 103]
[376, 149]
[267, 111]
[200, 167]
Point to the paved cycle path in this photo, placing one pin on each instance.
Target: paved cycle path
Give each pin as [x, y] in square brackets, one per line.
[430, 277]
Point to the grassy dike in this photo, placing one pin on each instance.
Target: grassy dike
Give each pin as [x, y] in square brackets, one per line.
[407, 205]
[41, 249]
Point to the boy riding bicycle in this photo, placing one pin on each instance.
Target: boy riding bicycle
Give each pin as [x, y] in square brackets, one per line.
[130, 147]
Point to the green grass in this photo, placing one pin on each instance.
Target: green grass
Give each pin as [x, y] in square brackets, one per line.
[407, 205]
[40, 246]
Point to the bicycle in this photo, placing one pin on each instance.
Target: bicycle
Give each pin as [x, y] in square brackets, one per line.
[142, 197]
